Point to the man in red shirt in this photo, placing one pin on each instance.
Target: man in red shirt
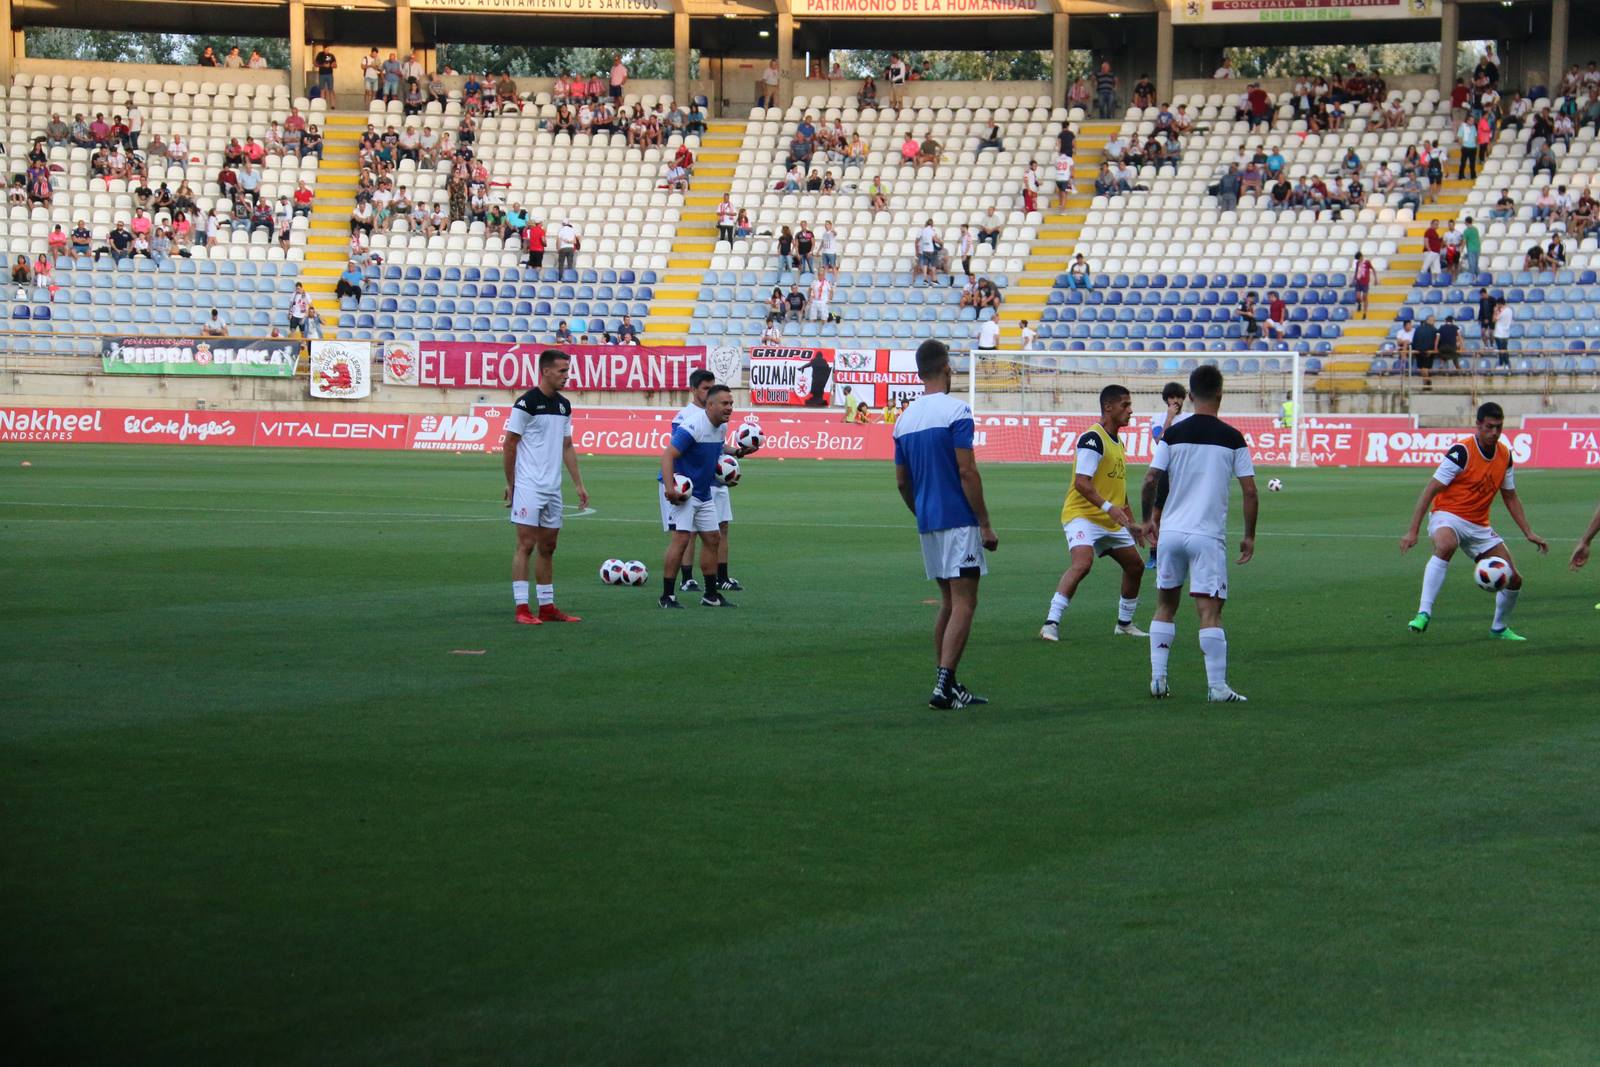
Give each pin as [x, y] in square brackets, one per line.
[302, 199]
[1260, 106]
[1277, 315]
[1365, 275]
[535, 240]
[1432, 246]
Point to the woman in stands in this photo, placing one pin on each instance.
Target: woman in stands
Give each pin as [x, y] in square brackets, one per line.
[785, 249]
[414, 98]
[21, 272]
[868, 96]
[742, 227]
[879, 195]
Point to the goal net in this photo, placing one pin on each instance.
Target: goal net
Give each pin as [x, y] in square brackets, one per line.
[1031, 404]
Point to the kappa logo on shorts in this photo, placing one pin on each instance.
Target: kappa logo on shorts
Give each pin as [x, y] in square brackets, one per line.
[971, 560]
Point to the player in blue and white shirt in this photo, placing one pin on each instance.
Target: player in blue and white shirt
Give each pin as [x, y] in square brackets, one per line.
[1187, 510]
[698, 441]
[538, 444]
[700, 383]
[937, 475]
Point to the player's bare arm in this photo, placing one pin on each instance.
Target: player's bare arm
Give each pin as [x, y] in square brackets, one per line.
[908, 492]
[972, 486]
[669, 483]
[509, 453]
[569, 457]
[1580, 554]
[1252, 507]
[1520, 517]
[1424, 502]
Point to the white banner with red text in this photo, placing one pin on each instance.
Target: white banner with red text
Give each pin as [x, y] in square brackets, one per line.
[793, 432]
[340, 370]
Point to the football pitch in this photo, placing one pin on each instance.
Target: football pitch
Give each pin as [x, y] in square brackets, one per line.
[282, 783]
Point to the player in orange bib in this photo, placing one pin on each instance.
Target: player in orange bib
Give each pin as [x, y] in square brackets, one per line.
[1461, 492]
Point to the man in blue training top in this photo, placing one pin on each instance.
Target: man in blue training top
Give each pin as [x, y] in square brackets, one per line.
[698, 441]
[938, 479]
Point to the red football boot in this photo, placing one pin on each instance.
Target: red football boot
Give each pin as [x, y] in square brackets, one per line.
[551, 613]
[525, 616]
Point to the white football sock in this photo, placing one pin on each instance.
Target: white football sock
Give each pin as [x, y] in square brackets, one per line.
[1162, 634]
[1505, 602]
[1214, 644]
[1058, 604]
[1125, 608]
[546, 594]
[519, 592]
[1432, 582]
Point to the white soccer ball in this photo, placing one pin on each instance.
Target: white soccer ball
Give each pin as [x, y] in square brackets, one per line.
[611, 572]
[749, 436]
[682, 484]
[728, 471]
[1492, 573]
[1274, 485]
[634, 573]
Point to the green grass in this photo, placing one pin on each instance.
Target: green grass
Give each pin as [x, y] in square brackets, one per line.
[255, 810]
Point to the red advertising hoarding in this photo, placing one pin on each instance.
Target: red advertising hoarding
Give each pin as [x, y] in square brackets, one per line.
[793, 433]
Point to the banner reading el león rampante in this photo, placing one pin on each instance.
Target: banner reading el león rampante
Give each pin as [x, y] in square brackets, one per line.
[210, 356]
[515, 367]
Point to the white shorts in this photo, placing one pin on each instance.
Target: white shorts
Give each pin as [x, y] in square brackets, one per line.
[694, 515]
[721, 498]
[946, 553]
[1475, 540]
[532, 507]
[1087, 533]
[1200, 559]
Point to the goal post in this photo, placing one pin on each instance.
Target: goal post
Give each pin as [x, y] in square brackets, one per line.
[1040, 382]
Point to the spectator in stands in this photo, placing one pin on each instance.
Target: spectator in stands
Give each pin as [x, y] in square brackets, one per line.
[1280, 195]
[250, 182]
[772, 333]
[1065, 186]
[927, 247]
[794, 304]
[1544, 205]
[969, 292]
[1365, 276]
[1424, 346]
[878, 195]
[351, 281]
[363, 216]
[1105, 183]
[82, 240]
[908, 150]
[800, 151]
[1471, 246]
[1432, 248]
[868, 96]
[261, 217]
[233, 60]
[1225, 71]
[992, 139]
[828, 247]
[1504, 320]
[78, 133]
[392, 70]
[1250, 180]
[1449, 345]
[776, 308]
[412, 98]
[1277, 321]
[854, 154]
[1105, 84]
[897, 73]
[805, 241]
[1411, 193]
[1555, 253]
[227, 181]
[299, 307]
[326, 63]
[988, 335]
[22, 273]
[208, 58]
[619, 80]
[741, 226]
[57, 244]
[817, 301]
[1080, 93]
[785, 243]
[988, 295]
[1030, 188]
[1249, 317]
[58, 133]
[1144, 92]
[1079, 275]
[1467, 138]
[989, 228]
[568, 243]
[1260, 106]
[563, 333]
[1228, 189]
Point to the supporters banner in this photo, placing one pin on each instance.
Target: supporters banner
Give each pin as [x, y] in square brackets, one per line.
[212, 356]
[340, 370]
[515, 367]
[400, 361]
[799, 376]
[876, 377]
[1195, 12]
[944, 9]
[727, 363]
[791, 433]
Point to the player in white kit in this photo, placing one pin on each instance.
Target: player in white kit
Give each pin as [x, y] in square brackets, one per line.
[700, 383]
[538, 444]
[1186, 513]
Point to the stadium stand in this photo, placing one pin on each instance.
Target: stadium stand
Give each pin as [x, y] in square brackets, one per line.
[468, 282]
[876, 284]
[243, 271]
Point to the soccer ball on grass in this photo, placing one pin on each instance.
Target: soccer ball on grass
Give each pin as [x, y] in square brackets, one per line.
[1492, 574]
[611, 572]
[634, 573]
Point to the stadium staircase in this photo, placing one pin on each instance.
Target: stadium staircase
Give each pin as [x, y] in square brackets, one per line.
[328, 245]
[672, 306]
[1053, 249]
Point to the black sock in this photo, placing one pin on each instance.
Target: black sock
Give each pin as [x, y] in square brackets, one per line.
[712, 585]
[946, 679]
[685, 572]
[666, 586]
[722, 572]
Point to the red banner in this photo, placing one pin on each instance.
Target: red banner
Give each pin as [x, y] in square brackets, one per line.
[802, 377]
[791, 433]
[595, 368]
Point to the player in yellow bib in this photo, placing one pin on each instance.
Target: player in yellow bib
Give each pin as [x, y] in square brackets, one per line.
[1096, 519]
